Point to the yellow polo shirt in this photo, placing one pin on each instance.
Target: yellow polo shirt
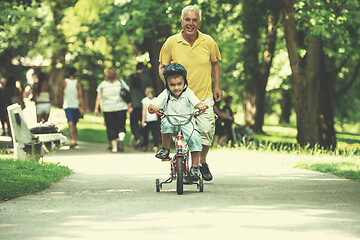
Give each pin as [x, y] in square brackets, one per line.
[196, 59]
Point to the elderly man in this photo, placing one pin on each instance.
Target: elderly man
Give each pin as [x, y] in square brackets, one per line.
[200, 56]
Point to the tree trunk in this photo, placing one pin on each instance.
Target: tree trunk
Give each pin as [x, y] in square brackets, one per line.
[57, 75]
[257, 74]
[154, 51]
[92, 91]
[268, 57]
[286, 105]
[327, 86]
[307, 76]
[58, 64]
[250, 103]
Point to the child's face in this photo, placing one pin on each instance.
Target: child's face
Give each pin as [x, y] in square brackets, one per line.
[176, 85]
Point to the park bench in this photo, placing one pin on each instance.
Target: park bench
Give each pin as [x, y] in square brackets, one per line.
[27, 145]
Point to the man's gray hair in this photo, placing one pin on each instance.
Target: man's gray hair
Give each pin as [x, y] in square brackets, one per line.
[188, 8]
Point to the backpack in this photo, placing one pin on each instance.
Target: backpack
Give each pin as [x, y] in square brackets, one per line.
[44, 128]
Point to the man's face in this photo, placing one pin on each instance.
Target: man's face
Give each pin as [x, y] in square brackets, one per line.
[191, 23]
[176, 84]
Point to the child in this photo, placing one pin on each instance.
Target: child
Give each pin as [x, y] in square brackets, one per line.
[178, 99]
[150, 122]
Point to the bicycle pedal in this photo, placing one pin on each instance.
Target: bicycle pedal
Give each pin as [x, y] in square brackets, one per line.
[166, 159]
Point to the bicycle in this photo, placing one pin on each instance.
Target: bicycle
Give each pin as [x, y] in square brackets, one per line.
[179, 166]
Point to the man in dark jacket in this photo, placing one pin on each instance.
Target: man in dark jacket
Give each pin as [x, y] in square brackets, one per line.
[137, 82]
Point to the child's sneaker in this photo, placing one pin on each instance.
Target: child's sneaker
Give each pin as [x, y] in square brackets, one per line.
[195, 173]
[163, 153]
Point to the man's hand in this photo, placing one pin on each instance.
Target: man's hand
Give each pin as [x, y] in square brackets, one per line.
[215, 72]
[161, 70]
[217, 94]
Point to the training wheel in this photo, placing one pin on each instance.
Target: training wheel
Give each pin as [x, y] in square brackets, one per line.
[201, 185]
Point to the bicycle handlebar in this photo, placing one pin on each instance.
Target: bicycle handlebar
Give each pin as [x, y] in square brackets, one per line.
[191, 115]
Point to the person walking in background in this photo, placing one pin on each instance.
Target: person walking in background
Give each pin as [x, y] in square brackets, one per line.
[138, 82]
[228, 122]
[70, 99]
[114, 108]
[200, 56]
[150, 122]
[220, 130]
[12, 93]
[43, 94]
[2, 107]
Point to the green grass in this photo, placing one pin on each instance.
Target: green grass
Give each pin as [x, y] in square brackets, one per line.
[18, 178]
[342, 162]
[344, 167]
[283, 138]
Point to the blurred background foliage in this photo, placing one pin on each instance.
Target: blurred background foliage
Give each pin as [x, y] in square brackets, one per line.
[92, 35]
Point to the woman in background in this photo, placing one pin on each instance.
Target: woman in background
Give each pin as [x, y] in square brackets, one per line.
[43, 94]
[12, 93]
[2, 107]
[114, 108]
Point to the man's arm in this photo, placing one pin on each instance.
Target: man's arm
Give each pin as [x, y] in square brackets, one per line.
[161, 70]
[144, 109]
[79, 89]
[216, 74]
[60, 94]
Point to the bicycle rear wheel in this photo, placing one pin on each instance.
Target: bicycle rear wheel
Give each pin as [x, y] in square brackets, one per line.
[179, 175]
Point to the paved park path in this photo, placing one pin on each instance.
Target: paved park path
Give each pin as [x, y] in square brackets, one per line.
[253, 195]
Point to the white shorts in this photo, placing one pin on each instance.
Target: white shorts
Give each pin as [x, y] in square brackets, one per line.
[191, 134]
[206, 123]
[43, 108]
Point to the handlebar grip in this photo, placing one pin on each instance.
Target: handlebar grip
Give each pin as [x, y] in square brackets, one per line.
[206, 107]
[158, 113]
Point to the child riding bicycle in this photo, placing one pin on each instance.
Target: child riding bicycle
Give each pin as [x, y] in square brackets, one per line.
[177, 98]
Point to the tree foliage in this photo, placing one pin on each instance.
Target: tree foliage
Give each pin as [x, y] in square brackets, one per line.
[337, 24]
[92, 35]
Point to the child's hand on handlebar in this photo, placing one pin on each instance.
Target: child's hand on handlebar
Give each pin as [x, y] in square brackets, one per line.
[154, 109]
[201, 107]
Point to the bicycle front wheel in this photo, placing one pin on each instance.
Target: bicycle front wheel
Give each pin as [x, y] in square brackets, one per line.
[179, 175]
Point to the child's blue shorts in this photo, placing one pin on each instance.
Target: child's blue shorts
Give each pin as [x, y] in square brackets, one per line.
[189, 131]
